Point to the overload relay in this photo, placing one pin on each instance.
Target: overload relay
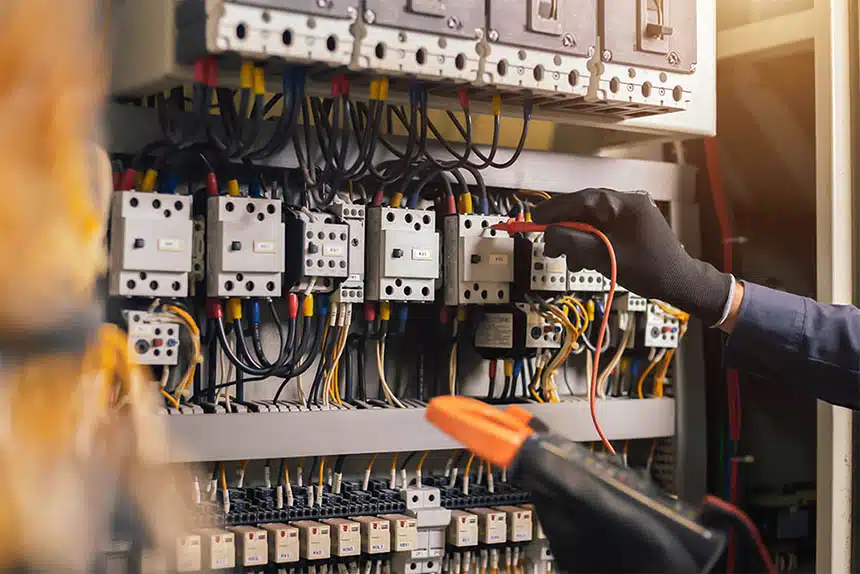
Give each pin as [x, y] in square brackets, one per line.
[245, 251]
[661, 329]
[535, 272]
[511, 330]
[479, 261]
[317, 251]
[152, 340]
[403, 254]
[150, 244]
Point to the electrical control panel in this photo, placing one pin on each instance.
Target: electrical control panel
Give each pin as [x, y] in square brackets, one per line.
[283, 543]
[479, 261]
[317, 251]
[463, 530]
[152, 339]
[150, 244]
[535, 272]
[587, 281]
[433, 39]
[544, 46]
[296, 30]
[351, 290]
[245, 247]
[403, 254]
[345, 537]
[662, 330]
[375, 535]
[219, 549]
[252, 547]
[315, 540]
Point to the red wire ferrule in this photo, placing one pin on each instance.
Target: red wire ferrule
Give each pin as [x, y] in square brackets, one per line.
[212, 184]
[292, 305]
[214, 310]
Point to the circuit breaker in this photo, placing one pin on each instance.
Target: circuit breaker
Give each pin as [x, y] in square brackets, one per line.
[463, 530]
[283, 543]
[534, 271]
[435, 39]
[351, 290]
[479, 261]
[315, 540]
[587, 281]
[295, 30]
[345, 537]
[317, 251]
[150, 244]
[252, 547]
[662, 330]
[542, 45]
[245, 251]
[219, 549]
[403, 254]
[152, 340]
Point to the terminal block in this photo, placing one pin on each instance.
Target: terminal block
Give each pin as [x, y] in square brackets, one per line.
[150, 244]
[351, 290]
[434, 39]
[587, 281]
[508, 331]
[403, 254]
[219, 549]
[630, 302]
[152, 339]
[479, 261]
[535, 272]
[283, 543]
[662, 330]
[317, 251]
[294, 30]
[245, 251]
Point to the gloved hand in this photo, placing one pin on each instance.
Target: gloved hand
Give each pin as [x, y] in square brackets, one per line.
[651, 261]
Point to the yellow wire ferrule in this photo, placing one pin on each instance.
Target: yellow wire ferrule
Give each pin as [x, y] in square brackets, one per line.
[497, 105]
[234, 309]
[148, 183]
[384, 310]
[246, 75]
[233, 188]
[461, 313]
[397, 199]
[308, 306]
[509, 368]
[259, 82]
[374, 89]
[383, 89]
[467, 202]
[589, 308]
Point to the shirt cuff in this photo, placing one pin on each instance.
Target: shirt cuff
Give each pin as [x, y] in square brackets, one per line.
[769, 324]
[728, 306]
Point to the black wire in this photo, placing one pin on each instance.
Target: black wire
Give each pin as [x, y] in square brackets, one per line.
[407, 460]
[527, 114]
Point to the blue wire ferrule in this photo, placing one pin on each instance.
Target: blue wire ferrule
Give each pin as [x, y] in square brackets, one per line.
[321, 301]
[254, 311]
[518, 366]
[255, 190]
[171, 182]
[485, 206]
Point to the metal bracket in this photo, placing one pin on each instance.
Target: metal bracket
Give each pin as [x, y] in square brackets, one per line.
[544, 16]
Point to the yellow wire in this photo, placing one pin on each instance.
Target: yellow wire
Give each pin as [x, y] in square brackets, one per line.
[660, 376]
[169, 398]
[421, 461]
[286, 473]
[243, 465]
[223, 477]
[322, 470]
[469, 465]
[394, 462]
[643, 376]
[372, 460]
[196, 356]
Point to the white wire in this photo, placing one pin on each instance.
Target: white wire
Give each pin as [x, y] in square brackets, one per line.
[165, 376]
[380, 365]
[613, 363]
[452, 370]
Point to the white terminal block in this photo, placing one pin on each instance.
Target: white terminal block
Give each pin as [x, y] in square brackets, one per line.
[402, 254]
[540, 333]
[463, 530]
[245, 251]
[537, 529]
[662, 330]
[479, 261]
[345, 537]
[150, 244]
[152, 340]
[352, 289]
[547, 273]
[418, 497]
[630, 302]
[587, 281]
[315, 539]
[375, 534]
[492, 525]
[188, 557]
[520, 526]
[402, 562]
[283, 543]
[219, 549]
[404, 532]
[252, 546]
[317, 250]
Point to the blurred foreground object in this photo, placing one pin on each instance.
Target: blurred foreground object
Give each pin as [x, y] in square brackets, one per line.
[76, 429]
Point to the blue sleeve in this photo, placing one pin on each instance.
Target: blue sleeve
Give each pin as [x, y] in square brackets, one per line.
[797, 340]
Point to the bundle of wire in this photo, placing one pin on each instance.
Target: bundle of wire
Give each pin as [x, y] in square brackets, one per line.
[78, 430]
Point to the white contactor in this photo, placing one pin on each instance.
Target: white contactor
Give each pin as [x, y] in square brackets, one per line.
[245, 251]
[352, 288]
[152, 339]
[150, 244]
[547, 273]
[403, 254]
[317, 251]
[479, 261]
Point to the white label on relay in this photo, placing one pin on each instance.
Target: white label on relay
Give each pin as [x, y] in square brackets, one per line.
[496, 331]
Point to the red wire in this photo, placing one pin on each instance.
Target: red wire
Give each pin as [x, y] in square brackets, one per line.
[724, 506]
[613, 281]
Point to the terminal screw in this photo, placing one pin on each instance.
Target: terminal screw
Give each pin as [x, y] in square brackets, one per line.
[568, 40]
[370, 16]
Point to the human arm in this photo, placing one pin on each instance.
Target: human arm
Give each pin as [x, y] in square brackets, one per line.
[774, 334]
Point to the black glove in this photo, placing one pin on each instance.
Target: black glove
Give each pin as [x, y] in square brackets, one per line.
[651, 261]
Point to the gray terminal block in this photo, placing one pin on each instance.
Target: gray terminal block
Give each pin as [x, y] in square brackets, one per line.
[479, 261]
[150, 244]
[351, 290]
[245, 247]
[402, 254]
